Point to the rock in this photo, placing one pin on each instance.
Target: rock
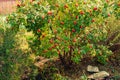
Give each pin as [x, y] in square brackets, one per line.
[92, 68]
[100, 75]
[39, 58]
[41, 63]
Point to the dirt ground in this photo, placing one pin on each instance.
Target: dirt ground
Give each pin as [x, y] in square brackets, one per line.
[76, 71]
[7, 6]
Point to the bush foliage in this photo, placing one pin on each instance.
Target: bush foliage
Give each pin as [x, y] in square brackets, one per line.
[72, 29]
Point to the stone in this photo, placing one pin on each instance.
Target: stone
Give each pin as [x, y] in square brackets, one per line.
[41, 63]
[99, 75]
[92, 68]
[39, 58]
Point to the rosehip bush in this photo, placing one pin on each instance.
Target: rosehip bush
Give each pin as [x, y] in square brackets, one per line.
[71, 29]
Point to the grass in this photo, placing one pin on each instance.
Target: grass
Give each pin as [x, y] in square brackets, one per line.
[114, 26]
[14, 56]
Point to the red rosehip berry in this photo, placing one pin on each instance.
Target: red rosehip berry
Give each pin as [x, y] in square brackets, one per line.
[77, 17]
[107, 1]
[55, 31]
[49, 13]
[76, 4]
[50, 48]
[43, 17]
[58, 52]
[91, 46]
[81, 12]
[56, 44]
[95, 8]
[74, 22]
[62, 23]
[73, 30]
[65, 6]
[108, 14]
[38, 30]
[81, 27]
[45, 51]
[93, 20]
[51, 41]
[119, 4]
[49, 21]
[18, 5]
[74, 40]
[56, 5]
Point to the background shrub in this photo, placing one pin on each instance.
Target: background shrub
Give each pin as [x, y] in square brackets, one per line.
[71, 29]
